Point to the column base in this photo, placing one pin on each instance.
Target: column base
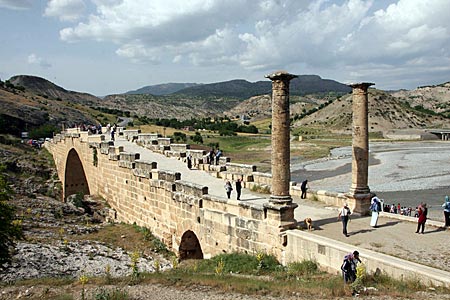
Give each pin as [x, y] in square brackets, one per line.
[359, 202]
[280, 200]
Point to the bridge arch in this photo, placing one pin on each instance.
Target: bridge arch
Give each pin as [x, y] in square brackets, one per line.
[75, 177]
[190, 247]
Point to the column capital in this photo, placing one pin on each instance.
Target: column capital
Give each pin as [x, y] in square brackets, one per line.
[361, 85]
[281, 75]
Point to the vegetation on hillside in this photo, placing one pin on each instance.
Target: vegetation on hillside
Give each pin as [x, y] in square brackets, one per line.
[10, 227]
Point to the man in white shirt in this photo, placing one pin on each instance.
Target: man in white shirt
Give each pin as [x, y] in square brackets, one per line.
[344, 214]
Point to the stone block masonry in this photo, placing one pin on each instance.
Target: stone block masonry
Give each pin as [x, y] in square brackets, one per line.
[160, 200]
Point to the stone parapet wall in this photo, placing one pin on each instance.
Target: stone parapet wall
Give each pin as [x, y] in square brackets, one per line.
[147, 138]
[329, 254]
[131, 134]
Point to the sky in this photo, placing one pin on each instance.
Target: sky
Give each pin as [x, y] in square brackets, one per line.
[106, 47]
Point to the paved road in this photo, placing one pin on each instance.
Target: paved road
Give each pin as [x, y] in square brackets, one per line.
[393, 237]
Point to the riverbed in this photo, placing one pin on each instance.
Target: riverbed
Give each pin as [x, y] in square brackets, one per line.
[399, 172]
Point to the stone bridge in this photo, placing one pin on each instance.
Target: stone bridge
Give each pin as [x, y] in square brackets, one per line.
[188, 218]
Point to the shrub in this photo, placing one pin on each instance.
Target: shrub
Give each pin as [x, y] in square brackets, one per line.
[305, 267]
[114, 294]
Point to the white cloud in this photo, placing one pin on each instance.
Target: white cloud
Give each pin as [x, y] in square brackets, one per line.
[16, 4]
[33, 59]
[341, 35]
[65, 10]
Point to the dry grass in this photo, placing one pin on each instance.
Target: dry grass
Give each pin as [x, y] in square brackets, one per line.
[129, 237]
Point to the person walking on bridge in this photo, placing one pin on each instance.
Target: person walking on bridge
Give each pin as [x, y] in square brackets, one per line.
[446, 207]
[304, 187]
[228, 188]
[238, 188]
[344, 216]
[423, 211]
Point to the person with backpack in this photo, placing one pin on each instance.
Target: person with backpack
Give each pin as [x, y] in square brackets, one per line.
[348, 267]
[344, 216]
[446, 207]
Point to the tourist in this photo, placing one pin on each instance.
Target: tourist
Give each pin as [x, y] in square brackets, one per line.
[344, 215]
[393, 209]
[189, 161]
[218, 155]
[348, 267]
[228, 188]
[422, 211]
[446, 207]
[211, 156]
[375, 208]
[416, 212]
[238, 185]
[304, 187]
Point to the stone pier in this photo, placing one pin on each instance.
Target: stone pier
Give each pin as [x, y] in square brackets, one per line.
[359, 195]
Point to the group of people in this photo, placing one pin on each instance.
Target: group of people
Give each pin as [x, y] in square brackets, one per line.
[421, 213]
[112, 130]
[398, 209]
[92, 129]
[229, 188]
[214, 156]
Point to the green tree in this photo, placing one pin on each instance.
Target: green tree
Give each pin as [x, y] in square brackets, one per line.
[197, 138]
[10, 229]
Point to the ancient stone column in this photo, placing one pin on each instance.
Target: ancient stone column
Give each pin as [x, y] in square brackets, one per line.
[359, 190]
[281, 173]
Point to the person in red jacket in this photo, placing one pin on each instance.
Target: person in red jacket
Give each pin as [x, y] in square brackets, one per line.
[422, 211]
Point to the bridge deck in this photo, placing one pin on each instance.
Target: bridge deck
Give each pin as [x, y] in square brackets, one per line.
[394, 236]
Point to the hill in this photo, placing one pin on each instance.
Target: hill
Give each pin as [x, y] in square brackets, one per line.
[43, 87]
[386, 112]
[22, 110]
[435, 98]
[242, 89]
[162, 89]
[180, 107]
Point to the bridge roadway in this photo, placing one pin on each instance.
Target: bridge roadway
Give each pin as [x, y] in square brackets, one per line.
[394, 236]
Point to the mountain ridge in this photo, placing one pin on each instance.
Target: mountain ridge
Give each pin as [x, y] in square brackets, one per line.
[162, 89]
[37, 100]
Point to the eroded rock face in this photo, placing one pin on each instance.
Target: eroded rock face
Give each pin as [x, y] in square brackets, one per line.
[72, 259]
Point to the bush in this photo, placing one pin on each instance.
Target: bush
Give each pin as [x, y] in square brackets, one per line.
[114, 294]
[43, 131]
[305, 267]
[197, 138]
[240, 263]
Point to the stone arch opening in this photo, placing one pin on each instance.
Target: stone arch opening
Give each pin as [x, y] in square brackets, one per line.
[74, 178]
[190, 246]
